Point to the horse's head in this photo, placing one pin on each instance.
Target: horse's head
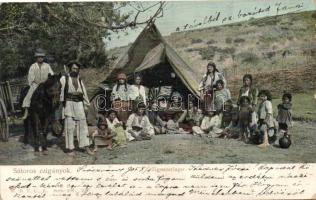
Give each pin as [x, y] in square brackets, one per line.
[53, 88]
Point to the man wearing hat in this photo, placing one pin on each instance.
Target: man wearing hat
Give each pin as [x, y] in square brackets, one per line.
[75, 100]
[38, 73]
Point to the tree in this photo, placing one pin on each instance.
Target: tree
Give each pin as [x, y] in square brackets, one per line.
[67, 31]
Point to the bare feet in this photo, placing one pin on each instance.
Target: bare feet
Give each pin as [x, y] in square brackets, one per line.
[45, 152]
[71, 153]
[263, 145]
[109, 148]
[88, 150]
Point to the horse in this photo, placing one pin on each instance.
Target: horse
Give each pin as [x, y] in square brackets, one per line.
[44, 103]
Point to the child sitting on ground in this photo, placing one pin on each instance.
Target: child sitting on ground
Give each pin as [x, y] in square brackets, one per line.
[102, 136]
[210, 125]
[116, 127]
[284, 117]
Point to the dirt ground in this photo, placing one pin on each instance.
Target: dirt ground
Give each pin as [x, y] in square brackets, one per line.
[170, 149]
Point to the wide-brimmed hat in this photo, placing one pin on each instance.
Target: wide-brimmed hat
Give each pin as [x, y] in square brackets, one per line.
[39, 53]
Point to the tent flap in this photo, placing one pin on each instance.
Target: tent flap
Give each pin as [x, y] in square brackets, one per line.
[153, 57]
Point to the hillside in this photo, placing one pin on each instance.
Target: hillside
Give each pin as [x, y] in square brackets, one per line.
[253, 46]
[258, 46]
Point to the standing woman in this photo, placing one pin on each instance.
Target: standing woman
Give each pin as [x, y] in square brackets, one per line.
[138, 92]
[208, 83]
[120, 97]
[248, 90]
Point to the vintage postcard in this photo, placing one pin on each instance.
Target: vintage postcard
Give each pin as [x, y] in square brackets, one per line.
[158, 99]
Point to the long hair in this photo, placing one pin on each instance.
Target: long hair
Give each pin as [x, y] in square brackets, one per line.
[214, 68]
[118, 84]
[249, 76]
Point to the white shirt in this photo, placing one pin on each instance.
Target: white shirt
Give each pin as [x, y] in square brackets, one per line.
[140, 121]
[209, 122]
[138, 91]
[246, 93]
[113, 123]
[74, 109]
[39, 74]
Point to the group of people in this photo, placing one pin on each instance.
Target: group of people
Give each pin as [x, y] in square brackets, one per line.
[213, 115]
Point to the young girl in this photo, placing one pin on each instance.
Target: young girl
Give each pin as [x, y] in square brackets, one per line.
[116, 127]
[137, 91]
[284, 117]
[222, 95]
[248, 90]
[265, 116]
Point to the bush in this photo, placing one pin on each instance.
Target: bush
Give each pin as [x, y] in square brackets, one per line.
[248, 57]
[239, 40]
[194, 41]
[211, 41]
[208, 53]
[228, 40]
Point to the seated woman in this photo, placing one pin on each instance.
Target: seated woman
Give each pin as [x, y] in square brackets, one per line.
[192, 116]
[138, 126]
[116, 127]
[102, 136]
[155, 119]
[210, 125]
[222, 95]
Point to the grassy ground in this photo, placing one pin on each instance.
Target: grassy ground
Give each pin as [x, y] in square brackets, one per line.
[172, 149]
[304, 105]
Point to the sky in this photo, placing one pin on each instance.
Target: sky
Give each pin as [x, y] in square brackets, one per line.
[182, 14]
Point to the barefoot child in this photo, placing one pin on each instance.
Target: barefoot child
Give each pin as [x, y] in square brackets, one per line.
[284, 117]
[116, 127]
[265, 116]
[246, 121]
[102, 136]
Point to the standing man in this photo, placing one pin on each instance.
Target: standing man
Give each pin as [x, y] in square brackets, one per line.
[75, 100]
[38, 73]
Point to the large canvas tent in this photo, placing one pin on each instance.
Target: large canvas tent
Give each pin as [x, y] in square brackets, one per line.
[155, 59]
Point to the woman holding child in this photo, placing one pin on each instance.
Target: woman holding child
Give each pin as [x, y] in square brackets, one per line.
[208, 83]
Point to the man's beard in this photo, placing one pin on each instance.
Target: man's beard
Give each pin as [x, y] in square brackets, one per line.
[73, 74]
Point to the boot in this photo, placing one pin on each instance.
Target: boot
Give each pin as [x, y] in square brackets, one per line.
[265, 142]
[26, 113]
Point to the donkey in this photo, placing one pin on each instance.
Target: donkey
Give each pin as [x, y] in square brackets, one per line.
[45, 101]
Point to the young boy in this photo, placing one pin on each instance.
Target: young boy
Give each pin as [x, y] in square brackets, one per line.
[246, 121]
[284, 117]
[265, 115]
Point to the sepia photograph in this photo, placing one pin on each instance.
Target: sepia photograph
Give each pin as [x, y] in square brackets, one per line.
[204, 82]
